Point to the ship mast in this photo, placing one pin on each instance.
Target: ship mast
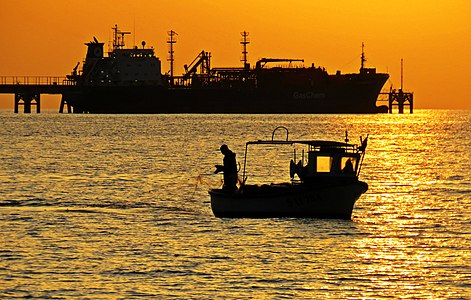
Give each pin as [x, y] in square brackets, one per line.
[171, 40]
[118, 37]
[363, 59]
[244, 43]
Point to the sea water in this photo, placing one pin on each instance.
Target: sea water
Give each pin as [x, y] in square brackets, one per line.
[116, 206]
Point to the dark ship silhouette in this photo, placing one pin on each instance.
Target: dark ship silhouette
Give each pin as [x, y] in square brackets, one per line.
[130, 80]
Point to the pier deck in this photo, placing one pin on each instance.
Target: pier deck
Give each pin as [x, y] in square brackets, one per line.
[28, 90]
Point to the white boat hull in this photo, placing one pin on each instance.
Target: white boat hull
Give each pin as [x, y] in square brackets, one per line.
[335, 201]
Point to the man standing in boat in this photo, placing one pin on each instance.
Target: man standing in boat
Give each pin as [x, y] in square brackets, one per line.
[229, 168]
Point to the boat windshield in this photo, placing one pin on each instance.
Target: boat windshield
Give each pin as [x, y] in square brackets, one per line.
[330, 163]
[324, 164]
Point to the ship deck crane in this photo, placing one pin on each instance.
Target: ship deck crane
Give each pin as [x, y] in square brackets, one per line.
[203, 60]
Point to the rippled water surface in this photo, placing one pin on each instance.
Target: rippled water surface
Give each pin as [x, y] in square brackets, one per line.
[116, 206]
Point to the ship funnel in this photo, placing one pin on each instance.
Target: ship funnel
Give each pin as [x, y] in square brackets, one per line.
[95, 49]
[94, 53]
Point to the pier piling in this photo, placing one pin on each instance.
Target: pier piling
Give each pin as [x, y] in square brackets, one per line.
[64, 102]
[27, 100]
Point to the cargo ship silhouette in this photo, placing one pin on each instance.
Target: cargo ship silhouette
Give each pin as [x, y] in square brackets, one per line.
[130, 80]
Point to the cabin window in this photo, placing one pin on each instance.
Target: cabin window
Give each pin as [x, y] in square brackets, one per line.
[324, 164]
[348, 165]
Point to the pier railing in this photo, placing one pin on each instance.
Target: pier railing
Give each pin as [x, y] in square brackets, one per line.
[36, 80]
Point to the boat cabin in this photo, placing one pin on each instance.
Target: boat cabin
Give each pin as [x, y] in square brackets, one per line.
[326, 159]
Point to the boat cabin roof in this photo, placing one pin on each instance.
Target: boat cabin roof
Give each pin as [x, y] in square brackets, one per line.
[312, 143]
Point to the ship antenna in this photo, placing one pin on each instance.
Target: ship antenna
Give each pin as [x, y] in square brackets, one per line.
[171, 59]
[363, 59]
[244, 43]
[115, 36]
[134, 30]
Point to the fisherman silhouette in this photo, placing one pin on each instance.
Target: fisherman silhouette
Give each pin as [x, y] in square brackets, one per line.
[348, 169]
[229, 168]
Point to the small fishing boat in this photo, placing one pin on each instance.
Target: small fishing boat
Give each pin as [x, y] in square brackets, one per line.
[324, 183]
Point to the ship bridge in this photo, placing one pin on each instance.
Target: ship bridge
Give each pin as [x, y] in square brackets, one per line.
[133, 53]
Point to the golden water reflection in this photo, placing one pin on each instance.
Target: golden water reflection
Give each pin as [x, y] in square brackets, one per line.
[128, 222]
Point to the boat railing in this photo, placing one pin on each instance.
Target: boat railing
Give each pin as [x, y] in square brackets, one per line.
[279, 128]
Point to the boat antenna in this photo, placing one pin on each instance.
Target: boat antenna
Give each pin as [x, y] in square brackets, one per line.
[363, 59]
[362, 148]
[346, 137]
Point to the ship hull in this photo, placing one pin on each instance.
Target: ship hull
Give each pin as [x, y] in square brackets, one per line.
[351, 93]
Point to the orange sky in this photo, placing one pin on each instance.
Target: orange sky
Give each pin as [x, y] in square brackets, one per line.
[433, 37]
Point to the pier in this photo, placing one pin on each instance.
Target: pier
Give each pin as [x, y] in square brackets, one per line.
[28, 90]
[398, 98]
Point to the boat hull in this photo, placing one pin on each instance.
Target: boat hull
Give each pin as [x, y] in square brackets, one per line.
[336, 201]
